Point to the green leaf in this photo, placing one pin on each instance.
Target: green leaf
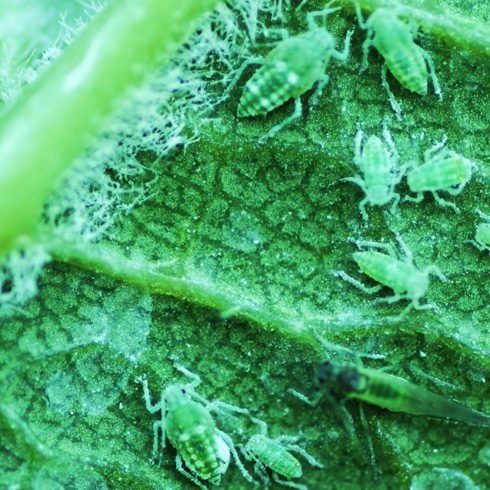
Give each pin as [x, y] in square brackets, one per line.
[178, 238]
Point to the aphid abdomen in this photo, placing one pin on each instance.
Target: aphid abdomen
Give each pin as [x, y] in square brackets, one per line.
[384, 269]
[192, 432]
[375, 163]
[403, 57]
[439, 175]
[274, 456]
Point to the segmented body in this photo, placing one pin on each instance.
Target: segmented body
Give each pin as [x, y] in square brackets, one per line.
[275, 456]
[394, 40]
[192, 431]
[440, 173]
[380, 176]
[401, 276]
[376, 165]
[289, 70]
[393, 393]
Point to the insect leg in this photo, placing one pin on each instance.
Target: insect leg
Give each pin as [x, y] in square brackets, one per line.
[147, 397]
[417, 199]
[443, 202]
[357, 147]
[196, 379]
[344, 54]
[319, 89]
[295, 115]
[387, 247]
[362, 208]
[229, 442]
[313, 402]
[395, 105]
[404, 248]
[287, 483]
[365, 426]
[360, 20]
[432, 73]
[366, 45]
[429, 154]
[298, 449]
[433, 269]
[190, 476]
[396, 201]
[157, 425]
[311, 16]
[358, 284]
[260, 469]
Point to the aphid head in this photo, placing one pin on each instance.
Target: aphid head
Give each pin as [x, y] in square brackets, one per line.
[322, 40]
[175, 396]
[417, 284]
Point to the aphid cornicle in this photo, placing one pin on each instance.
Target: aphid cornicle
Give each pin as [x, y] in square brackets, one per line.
[392, 392]
[378, 165]
[402, 276]
[289, 70]
[187, 423]
[406, 60]
[482, 236]
[275, 454]
[442, 170]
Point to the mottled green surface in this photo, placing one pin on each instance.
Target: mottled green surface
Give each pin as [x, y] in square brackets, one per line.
[253, 232]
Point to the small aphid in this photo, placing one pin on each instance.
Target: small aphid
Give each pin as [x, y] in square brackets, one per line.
[289, 70]
[406, 280]
[391, 392]
[442, 170]
[187, 423]
[406, 60]
[482, 237]
[275, 455]
[378, 165]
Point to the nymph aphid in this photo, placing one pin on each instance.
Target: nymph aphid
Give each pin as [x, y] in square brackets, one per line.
[275, 454]
[482, 236]
[406, 60]
[187, 423]
[442, 170]
[402, 276]
[289, 70]
[377, 162]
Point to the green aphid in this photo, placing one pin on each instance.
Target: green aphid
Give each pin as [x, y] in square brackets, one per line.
[187, 423]
[275, 454]
[391, 392]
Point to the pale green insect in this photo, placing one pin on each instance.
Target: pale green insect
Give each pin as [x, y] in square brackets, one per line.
[378, 163]
[482, 236]
[275, 454]
[402, 276]
[407, 61]
[187, 423]
[391, 392]
[442, 170]
[289, 70]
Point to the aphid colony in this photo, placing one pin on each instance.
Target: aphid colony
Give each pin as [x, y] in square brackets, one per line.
[442, 171]
[204, 452]
[293, 66]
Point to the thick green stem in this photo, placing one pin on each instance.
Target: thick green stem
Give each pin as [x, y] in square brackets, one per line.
[53, 121]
